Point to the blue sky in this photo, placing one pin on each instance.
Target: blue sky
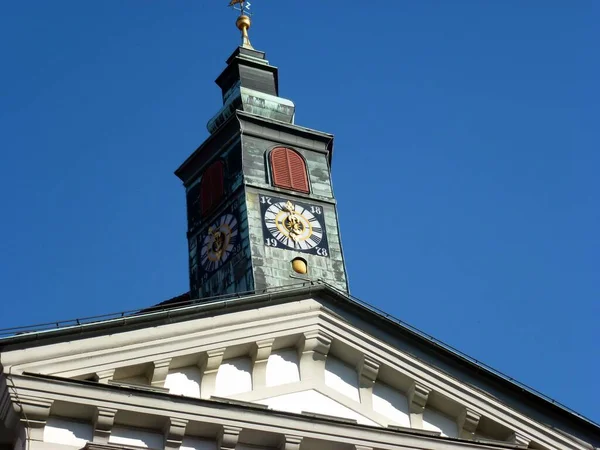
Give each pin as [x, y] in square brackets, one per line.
[466, 159]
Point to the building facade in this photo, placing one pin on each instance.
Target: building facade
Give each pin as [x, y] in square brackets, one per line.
[269, 350]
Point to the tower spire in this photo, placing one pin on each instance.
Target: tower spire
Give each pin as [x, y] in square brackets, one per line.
[243, 22]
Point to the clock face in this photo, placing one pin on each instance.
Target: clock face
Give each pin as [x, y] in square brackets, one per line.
[293, 225]
[219, 242]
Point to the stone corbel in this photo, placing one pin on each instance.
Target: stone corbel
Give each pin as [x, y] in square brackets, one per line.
[174, 433]
[520, 439]
[160, 369]
[467, 423]
[33, 413]
[214, 358]
[228, 438]
[103, 423]
[368, 369]
[260, 356]
[417, 400]
[104, 376]
[290, 442]
[313, 350]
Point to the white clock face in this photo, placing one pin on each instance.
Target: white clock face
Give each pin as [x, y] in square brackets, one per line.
[293, 225]
[219, 242]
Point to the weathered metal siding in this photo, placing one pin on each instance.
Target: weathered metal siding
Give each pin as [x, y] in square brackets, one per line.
[236, 274]
[272, 266]
[256, 173]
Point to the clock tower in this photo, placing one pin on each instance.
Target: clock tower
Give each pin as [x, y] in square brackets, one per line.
[260, 205]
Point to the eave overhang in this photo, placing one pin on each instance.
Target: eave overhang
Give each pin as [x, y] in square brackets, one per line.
[196, 309]
[241, 414]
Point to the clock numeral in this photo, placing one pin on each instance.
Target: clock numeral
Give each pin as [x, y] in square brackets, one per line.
[270, 242]
[266, 200]
[322, 251]
[316, 210]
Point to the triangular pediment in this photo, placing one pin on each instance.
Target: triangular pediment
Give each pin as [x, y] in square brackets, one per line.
[313, 354]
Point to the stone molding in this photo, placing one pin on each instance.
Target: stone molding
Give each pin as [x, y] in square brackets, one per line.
[213, 360]
[520, 439]
[160, 369]
[34, 413]
[467, 423]
[104, 376]
[205, 413]
[228, 437]
[418, 395]
[318, 386]
[313, 350]
[368, 369]
[103, 424]
[252, 325]
[260, 356]
[290, 442]
[174, 433]
[95, 446]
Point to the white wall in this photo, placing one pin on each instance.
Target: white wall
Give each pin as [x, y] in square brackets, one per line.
[234, 377]
[282, 367]
[435, 421]
[140, 438]
[342, 378]
[391, 404]
[68, 432]
[184, 381]
[315, 402]
[192, 443]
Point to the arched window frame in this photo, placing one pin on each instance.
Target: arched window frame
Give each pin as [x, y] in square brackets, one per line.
[212, 187]
[304, 187]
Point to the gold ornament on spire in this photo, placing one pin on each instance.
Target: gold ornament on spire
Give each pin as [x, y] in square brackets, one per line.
[243, 22]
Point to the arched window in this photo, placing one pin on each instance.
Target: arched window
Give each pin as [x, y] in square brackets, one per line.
[288, 169]
[211, 187]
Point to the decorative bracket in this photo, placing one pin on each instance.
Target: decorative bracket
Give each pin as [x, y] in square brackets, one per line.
[228, 437]
[260, 357]
[214, 358]
[34, 413]
[368, 369]
[104, 376]
[159, 372]
[520, 439]
[103, 423]
[417, 397]
[174, 433]
[290, 442]
[313, 350]
[467, 423]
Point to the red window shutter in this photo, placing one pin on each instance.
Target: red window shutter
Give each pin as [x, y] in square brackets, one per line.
[297, 172]
[288, 170]
[211, 187]
[279, 168]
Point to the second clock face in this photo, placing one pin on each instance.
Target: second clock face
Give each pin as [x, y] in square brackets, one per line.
[294, 225]
[219, 242]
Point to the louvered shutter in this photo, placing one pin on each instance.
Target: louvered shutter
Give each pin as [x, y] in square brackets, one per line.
[288, 170]
[297, 172]
[280, 168]
[212, 187]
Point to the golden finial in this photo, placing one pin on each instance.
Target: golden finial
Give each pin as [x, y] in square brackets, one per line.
[243, 22]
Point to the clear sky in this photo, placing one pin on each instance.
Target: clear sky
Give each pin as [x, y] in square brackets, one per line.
[466, 161]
